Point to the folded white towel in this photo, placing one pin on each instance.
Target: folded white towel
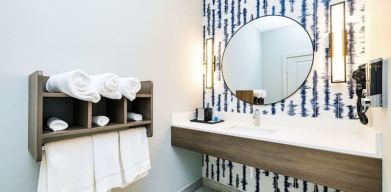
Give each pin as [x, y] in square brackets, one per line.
[76, 84]
[129, 87]
[107, 84]
[100, 120]
[135, 116]
[134, 154]
[107, 162]
[67, 165]
[56, 124]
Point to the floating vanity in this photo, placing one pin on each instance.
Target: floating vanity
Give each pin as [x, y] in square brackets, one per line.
[347, 157]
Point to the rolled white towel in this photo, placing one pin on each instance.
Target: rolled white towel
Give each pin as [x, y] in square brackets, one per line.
[107, 84]
[129, 87]
[100, 120]
[56, 124]
[131, 96]
[135, 116]
[75, 83]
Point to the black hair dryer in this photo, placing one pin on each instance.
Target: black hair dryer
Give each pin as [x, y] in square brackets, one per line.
[360, 77]
[370, 87]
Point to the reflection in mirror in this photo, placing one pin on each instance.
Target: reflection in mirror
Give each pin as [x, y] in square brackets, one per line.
[267, 60]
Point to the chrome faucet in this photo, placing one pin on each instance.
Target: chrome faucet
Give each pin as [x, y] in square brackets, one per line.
[257, 117]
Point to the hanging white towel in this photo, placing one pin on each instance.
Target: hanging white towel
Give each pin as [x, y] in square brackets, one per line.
[67, 165]
[56, 124]
[135, 116]
[76, 84]
[140, 176]
[43, 178]
[129, 87]
[100, 120]
[107, 84]
[107, 161]
[134, 154]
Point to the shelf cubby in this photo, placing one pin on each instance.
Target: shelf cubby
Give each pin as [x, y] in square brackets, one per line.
[140, 106]
[143, 106]
[72, 111]
[78, 114]
[113, 109]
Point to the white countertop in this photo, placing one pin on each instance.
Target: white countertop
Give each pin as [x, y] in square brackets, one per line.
[342, 136]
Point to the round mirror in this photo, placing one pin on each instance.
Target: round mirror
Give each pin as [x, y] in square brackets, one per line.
[267, 60]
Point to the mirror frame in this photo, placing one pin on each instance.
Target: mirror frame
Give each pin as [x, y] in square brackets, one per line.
[312, 64]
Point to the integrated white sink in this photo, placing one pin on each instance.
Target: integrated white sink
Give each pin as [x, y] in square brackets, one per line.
[252, 130]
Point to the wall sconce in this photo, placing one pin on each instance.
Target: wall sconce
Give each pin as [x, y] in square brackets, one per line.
[338, 43]
[209, 63]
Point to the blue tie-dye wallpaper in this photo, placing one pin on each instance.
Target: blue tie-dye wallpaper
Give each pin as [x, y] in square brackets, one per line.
[317, 97]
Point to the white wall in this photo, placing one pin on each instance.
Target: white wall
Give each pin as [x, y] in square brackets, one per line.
[153, 40]
[378, 19]
[276, 44]
[242, 67]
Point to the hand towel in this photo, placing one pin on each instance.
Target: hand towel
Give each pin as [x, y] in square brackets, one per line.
[56, 124]
[140, 176]
[100, 120]
[43, 178]
[76, 84]
[135, 116]
[107, 84]
[67, 165]
[106, 161]
[134, 154]
[129, 87]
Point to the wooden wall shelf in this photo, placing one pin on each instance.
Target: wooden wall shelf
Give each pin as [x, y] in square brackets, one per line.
[78, 114]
